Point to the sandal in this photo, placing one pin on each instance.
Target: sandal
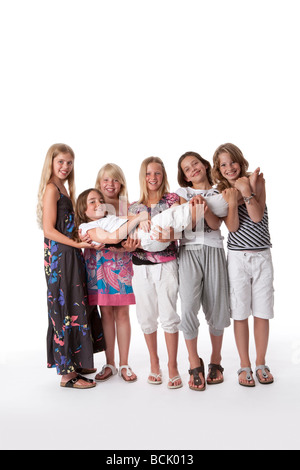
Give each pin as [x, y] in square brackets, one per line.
[197, 380]
[264, 375]
[249, 377]
[113, 371]
[72, 383]
[212, 374]
[128, 373]
[157, 378]
[175, 379]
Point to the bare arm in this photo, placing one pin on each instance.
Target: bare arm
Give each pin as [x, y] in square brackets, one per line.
[50, 199]
[254, 207]
[213, 221]
[102, 236]
[231, 196]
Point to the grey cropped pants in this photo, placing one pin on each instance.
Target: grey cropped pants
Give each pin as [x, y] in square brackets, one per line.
[203, 281]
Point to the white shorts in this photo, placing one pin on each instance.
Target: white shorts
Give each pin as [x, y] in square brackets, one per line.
[251, 284]
[156, 288]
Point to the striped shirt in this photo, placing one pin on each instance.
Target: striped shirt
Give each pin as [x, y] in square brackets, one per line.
[250, 235]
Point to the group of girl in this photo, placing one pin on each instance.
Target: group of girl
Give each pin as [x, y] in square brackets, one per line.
[114, 272]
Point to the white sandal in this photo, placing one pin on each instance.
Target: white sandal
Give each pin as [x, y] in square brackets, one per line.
[114, 371]
[128, 373]
[249, 378]
[265, 375]
[175, 379]
[157, 377]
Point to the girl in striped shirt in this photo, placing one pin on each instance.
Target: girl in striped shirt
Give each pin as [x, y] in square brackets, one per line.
[250, 266]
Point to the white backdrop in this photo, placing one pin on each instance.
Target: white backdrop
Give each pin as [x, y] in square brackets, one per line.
[122, 80]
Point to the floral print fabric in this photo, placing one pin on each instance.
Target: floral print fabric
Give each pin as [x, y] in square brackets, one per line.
[109, 277]
[74, 329]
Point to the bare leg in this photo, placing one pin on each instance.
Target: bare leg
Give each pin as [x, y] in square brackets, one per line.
[216, 343]
[108, 324]
[241, 332]
[151, 341]
[194, 361]
[172, 348]
[261, 335]
[123, 337]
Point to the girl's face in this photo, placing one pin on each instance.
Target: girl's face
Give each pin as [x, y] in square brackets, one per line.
[154, 176]
[110, 187]
[62, 165]
[229, 169]
[193, 169]
[95, 206]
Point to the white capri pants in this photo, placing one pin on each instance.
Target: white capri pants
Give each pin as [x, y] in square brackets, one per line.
[251, 284]
[156, 288]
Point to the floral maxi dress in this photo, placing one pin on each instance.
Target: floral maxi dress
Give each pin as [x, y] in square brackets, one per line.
[75, 329]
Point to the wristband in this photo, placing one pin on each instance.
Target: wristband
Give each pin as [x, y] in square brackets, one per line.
[248, 199]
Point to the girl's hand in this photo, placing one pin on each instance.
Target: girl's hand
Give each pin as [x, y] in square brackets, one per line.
[131, 244]
[84, 238]
[83, 245]
[197, 200]
[145, 225]
[243, 185]
[253, 179]
[99, 246]
[231, 195]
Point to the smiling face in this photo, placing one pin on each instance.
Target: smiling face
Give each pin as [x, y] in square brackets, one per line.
[229, 169]
[62, 166]
[110, 187]
[154, 176]
[95, 206]
[194, 170]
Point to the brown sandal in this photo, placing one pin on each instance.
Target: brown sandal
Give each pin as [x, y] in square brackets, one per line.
[212, 374]
[197, 380]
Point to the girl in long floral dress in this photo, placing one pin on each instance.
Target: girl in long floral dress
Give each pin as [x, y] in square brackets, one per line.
[75, 330]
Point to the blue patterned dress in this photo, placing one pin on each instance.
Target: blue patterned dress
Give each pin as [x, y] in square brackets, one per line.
[75, 329]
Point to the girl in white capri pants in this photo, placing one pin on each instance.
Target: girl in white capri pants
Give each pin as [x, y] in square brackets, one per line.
[155, 280]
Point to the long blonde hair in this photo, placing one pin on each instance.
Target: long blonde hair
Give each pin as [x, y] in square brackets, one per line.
[114, 171]
[53, 151]
[165, 188]
[236, 155]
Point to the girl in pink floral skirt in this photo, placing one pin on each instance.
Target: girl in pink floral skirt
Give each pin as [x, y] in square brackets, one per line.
[109, 279]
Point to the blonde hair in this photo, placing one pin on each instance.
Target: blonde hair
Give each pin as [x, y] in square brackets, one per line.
[114, 171]
[53, 151]
[143, 184]
[236, 155]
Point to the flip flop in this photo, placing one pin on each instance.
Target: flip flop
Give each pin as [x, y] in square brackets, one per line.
[128, 373]
[197, 380]
[157, 378]
[113, 371]
[175, 379]
[263, 368]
